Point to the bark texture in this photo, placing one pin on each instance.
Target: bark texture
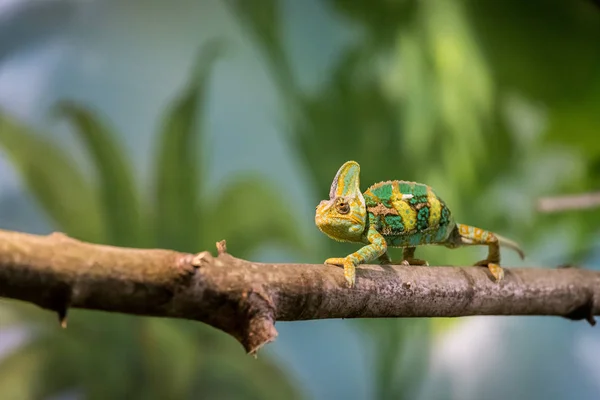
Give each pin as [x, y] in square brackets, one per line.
[245, 298]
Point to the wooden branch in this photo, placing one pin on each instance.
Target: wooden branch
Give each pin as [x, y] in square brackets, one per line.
[566, 203]
[245, 298]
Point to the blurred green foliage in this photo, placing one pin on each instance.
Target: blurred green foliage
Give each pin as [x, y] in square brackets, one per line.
[418, 97]
[143, 358]
[491, 103]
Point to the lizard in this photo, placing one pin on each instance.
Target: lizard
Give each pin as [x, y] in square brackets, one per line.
[399, 214]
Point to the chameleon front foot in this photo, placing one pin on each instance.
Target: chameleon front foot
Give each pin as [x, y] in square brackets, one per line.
[349, 269]
[494, 268]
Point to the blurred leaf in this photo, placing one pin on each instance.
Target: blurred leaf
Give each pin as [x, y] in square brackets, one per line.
[248, 213]
[171, 358]
[443, 87]
[225, 374]
[179, 161]
[96, 344]
[185, 359]
[121, 205]
[9, 313]
[576, 124]
[49, 19]
[55, 181]
[390, 335]
[410, 81]
[352, 104]
[465, 91]
[546, 49]
[380, 19]
[19, 372]
[401, 355]
[264, 24]
[263, 21]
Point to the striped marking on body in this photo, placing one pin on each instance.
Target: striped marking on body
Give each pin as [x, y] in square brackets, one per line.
[408, 214]
[435, 208]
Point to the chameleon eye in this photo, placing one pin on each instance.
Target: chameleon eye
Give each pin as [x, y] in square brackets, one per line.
[343, 208]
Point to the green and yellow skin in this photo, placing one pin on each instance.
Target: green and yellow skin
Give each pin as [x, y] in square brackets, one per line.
[396, 214]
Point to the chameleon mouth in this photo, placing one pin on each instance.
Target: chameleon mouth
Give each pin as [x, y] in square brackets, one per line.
[353, 219]
[320, 220]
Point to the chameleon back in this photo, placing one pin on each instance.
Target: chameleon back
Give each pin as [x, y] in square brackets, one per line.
[408, 213]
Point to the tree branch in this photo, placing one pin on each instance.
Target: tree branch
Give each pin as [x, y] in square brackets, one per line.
[245, 298]
[573, 202]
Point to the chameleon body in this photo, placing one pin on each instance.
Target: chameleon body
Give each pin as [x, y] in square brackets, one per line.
[396, 214]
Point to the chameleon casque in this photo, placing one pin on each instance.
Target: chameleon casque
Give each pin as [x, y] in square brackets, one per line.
[396, 214]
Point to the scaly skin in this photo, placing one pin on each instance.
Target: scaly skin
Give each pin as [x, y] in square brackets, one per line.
[396, 214]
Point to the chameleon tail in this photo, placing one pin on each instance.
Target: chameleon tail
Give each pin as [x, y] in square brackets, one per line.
[504, 242]
[470, 235]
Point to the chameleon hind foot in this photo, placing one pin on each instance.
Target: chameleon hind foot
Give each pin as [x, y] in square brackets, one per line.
[494, 268]
[349, 269]
[414, 261]
[408, 256]
[386, 260]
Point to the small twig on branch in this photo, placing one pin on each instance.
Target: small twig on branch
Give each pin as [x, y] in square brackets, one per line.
[245, 298]
[566, 203]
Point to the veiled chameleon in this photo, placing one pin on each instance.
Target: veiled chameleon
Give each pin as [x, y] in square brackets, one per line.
[396, 214]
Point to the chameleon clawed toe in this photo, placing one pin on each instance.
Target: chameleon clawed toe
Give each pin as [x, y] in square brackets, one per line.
[415, 262]
[396, 214]
[496, 270]
[335, 261]
[349, 268]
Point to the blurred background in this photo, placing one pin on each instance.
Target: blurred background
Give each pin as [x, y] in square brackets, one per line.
[177, 124]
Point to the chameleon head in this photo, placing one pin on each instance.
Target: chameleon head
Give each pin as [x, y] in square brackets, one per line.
[343, 216]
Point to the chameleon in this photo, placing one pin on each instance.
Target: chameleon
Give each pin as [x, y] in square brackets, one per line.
[396, 214]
